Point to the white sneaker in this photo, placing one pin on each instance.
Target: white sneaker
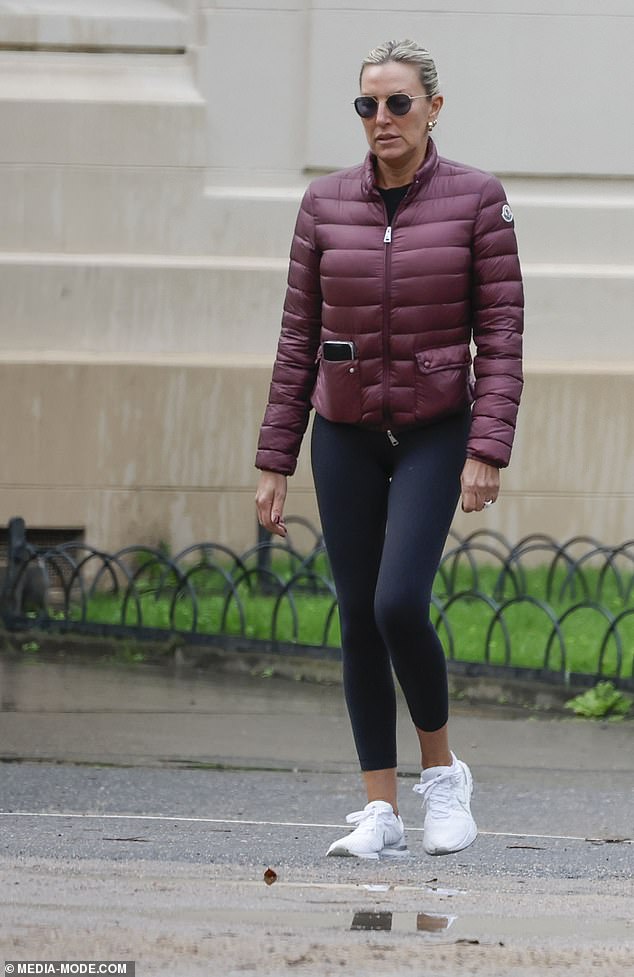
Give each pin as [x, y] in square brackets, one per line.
[448, 825]
[379, 831]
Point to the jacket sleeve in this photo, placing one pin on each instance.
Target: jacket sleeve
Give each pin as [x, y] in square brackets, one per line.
[295, 368]
[498, 305]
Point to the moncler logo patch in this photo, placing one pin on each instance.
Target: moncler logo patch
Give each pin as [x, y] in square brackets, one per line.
[507, 214]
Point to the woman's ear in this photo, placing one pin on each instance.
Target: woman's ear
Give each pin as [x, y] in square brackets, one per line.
[437, 103]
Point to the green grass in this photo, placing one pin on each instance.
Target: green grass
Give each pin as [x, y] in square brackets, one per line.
[309, 619]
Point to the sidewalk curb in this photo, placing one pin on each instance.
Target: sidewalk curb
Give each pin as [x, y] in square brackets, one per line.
[470, 684]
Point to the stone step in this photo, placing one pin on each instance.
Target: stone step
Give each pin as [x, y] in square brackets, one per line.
[100, 109]
[132, 303]
[573, 221]
[76, 24]
[104, 209]
[146, 451]
[563, 224]
[146, 304]
[160, 209]
[145, 209]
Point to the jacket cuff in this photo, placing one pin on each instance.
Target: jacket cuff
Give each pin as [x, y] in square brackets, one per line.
[269, 460]
[495, 457]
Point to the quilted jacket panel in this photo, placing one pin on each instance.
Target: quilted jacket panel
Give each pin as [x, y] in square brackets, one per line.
[412, 299]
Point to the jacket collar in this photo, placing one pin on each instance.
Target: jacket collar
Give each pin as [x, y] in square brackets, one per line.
[422, 175]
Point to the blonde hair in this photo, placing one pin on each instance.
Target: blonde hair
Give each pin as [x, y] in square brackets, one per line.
[407, 52]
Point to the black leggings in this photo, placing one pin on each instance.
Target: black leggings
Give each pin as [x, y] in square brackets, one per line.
[385, 513]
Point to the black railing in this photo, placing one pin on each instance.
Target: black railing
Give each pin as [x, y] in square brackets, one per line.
[538, 607]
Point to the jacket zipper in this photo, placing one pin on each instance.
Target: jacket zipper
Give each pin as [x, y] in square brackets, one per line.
[387, 241]
[387, 304]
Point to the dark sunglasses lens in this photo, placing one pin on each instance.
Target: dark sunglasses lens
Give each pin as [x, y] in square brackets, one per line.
[399, 104]
[366, 106]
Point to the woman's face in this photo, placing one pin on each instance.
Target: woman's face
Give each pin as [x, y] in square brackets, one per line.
[397, 139]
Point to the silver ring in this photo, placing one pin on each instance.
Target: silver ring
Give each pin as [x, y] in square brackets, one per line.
[489, 502]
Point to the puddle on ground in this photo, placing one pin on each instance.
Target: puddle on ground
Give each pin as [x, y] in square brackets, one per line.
[433, 926]
[371, 921]
[425, 922]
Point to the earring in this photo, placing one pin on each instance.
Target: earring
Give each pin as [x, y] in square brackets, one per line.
[430, 125]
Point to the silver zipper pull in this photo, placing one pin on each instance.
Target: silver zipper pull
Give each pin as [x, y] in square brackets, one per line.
[393, 441]
[388, 235]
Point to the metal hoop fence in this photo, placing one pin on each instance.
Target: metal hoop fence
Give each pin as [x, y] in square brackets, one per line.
[539, 607]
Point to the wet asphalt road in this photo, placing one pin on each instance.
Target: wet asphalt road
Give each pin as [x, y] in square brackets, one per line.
[520, 820]
[272, 775]
[141, 810]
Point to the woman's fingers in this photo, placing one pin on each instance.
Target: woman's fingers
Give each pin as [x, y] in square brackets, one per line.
[270, 497]
[480, 485]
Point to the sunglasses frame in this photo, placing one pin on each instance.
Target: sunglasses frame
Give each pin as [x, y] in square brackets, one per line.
[377, 102]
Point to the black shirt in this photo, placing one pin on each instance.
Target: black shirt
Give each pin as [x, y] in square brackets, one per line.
[392, 198]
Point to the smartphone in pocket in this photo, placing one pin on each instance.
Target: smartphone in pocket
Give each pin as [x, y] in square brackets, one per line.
[334, 349]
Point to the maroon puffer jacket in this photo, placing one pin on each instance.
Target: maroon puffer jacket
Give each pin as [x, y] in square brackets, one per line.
[411, 298]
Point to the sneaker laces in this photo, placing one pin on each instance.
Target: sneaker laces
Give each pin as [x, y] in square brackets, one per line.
[438, 794]
[359, 817]
[367, 818]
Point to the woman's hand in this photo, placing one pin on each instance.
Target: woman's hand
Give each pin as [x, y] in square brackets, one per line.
[480, 485]
[269, 502]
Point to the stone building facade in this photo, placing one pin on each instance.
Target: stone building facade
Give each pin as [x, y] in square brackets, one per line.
[153, 156]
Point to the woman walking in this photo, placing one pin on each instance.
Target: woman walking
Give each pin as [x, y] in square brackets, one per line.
[397, 266]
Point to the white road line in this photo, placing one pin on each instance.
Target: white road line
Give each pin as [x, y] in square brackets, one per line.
[273, 824]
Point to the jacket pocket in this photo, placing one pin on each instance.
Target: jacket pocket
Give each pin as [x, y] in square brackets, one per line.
[337, 391]
[442, 381]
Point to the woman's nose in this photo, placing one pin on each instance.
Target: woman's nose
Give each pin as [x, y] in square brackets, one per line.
[383, 113]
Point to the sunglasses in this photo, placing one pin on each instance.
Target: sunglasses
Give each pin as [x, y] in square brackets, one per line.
[398, 104]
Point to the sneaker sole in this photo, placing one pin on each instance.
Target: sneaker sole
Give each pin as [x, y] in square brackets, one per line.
[371, 856]
[468, 840]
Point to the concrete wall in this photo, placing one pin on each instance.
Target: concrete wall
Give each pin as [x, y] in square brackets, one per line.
[153, 156]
